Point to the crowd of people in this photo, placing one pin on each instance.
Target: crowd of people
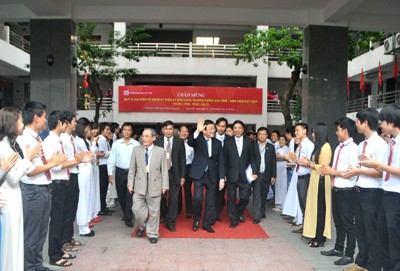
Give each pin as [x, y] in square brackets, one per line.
[79, 169]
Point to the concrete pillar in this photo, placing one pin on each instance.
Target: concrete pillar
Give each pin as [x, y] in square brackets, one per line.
[324, 84]
[53, 84]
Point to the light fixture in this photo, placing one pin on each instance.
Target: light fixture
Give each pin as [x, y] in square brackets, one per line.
[74, 62]
[50, 59]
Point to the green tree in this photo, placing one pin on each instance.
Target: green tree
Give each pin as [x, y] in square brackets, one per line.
[285, 45]
[99, 61]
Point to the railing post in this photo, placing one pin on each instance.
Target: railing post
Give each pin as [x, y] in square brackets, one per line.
[190, 49]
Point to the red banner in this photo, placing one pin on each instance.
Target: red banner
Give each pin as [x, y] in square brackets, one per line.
[188, 99]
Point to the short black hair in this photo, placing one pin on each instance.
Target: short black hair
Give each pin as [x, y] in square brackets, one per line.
[348, 124]
[303, 125]
[114, 126]
[30, 110]
[263, 128]
[167, 123]
[276, 132]
[207, 122]
[184, 125]
[290, 130]
[221, 120]
[69, 116]
[125, 124]
[238, 122]
[371, 115]
[391, 114]
[103, 126]
[54, 117]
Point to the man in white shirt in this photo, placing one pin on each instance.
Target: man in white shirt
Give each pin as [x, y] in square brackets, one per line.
[290, 138]
[118, 167]
[389, 213]
[102, 155]
[345, 156]
[367, 191]
[35, 187]
[303, 152]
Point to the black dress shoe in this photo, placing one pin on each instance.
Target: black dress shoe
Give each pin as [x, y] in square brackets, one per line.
[188, 215]
[90, 234]
[109, 210]
[256, 221]
[162, 219]
[332, 252]
[209, 229]
[128, 223]
[344, 261]
[139, 232]
[103, 213]
[171, 228]
[233, 225]
[241, 218]
[195, 225]
[153, 240]
[263, 216]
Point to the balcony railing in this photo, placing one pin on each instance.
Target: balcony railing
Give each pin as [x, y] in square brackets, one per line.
[14, 39]
[374, 101]
[276, 106]
[89, 103]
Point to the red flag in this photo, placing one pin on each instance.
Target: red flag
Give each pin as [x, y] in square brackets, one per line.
[348, 86]
[380, 80]
[85, 82]
[362, 83]
[396, 68]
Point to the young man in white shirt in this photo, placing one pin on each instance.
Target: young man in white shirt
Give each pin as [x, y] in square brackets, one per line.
[367, 191]
[389, 213]
[102, 155]
[118, 167]
[345, 156]
[35, 187]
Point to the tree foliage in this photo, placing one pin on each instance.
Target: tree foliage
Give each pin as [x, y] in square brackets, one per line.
[285, 45]
[100, 61]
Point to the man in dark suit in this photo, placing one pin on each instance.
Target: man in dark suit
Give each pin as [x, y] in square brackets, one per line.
[221, 124]
[176, 164]
[207, 168]
[265, 162]
[237, 157]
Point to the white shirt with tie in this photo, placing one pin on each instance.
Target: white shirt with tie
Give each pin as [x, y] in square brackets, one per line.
[348, 157]
[239, 144]
[52, 144]
[393, 184]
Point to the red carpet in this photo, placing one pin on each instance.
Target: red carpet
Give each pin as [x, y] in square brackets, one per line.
[246, 230]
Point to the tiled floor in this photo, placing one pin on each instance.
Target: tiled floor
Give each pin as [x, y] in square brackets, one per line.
[113, 249]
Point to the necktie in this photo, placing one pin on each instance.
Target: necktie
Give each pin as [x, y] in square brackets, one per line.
[239, 146]
[62, 149]
[262, 165]
[364, 147]
[73, 145]
[47, 172]
[298, 157]
[146, 157]
[336, 165]
[168, 148]
[390, 159]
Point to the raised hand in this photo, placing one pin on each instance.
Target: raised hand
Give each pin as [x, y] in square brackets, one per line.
[200, 125]
[32, 153]
[7, 163]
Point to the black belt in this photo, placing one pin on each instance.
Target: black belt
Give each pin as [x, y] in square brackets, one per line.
[303, 177]
[391, 193]
[361, 189]
[38, 185]
[123, 169]
[65, 182]
[289, 168]
[337, 189]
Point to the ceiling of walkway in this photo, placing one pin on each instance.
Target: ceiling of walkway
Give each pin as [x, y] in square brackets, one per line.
[371, 15]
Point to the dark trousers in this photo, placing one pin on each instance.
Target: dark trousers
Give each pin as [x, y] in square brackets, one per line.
[260, 191]
[58, 213]
[343, 216]
[209, 211]
[180, 200]
[236, 209]
[124, 197]
[173, 197]
[36, 201]
[302, 188]
[389, 231]
[103, 179]
[321, 210]
[219, 200]
[188, 192]
[71, 207]
[366, 207]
